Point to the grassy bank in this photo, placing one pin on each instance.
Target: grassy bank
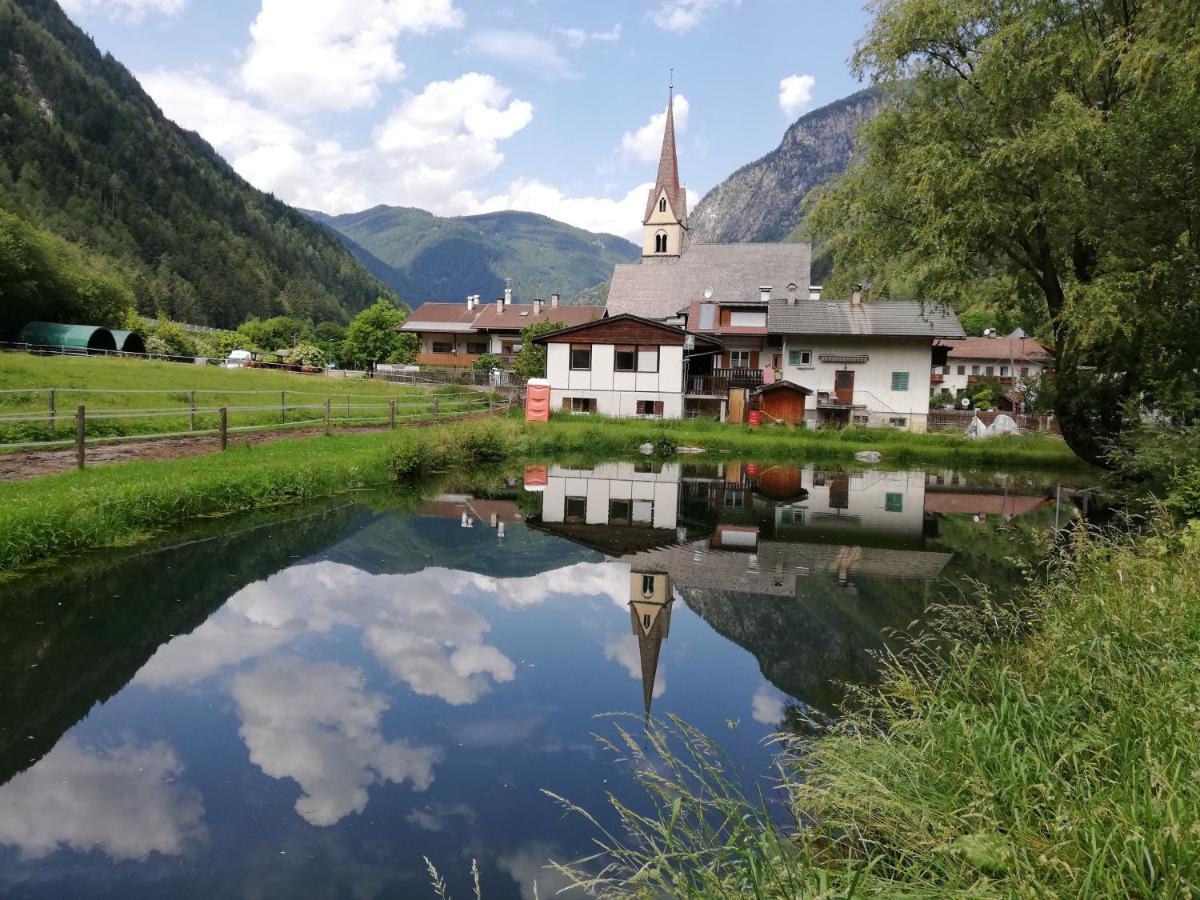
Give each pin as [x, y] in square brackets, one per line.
[114, 386]
[1052, 751]
[119, 503]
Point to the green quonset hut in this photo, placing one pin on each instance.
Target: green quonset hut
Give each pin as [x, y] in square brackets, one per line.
[88, 338]
[129, 341]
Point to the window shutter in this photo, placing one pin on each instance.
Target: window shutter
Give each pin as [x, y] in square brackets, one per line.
[566, 404]
[592, 405]
[754, 359]
[658, 408]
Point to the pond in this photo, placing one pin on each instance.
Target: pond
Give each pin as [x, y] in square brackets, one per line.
[306, 706]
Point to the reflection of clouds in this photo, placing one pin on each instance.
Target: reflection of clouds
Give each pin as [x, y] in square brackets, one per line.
[624, 650]
[314, 722]
[767, 705]
[527, 866]
[435, 816]
[122, 801]
[413, 623]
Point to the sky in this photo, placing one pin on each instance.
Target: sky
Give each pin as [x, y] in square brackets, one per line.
[466, 106]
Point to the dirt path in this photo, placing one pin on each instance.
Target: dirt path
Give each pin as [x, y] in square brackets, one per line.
[35, 464]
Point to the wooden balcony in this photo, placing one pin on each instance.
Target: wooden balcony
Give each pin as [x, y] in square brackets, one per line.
[937, 378]
[1003, 379]
[459, 360]
[721, 380]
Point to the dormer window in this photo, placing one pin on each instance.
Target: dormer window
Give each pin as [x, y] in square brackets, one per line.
[660, 242]
[662, 204]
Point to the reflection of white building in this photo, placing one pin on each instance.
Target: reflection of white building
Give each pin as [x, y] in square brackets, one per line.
[632, 494]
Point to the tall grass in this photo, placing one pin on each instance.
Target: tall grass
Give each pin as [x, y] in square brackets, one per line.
[1047, 751]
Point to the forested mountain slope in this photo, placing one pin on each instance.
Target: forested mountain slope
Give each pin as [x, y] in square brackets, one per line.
[437, 258]
[104, 203]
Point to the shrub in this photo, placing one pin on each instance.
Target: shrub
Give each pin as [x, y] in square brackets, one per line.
[483, 443]
[485, 363]
[308, 355]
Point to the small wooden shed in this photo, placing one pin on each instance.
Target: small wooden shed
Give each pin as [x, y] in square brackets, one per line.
[783, 401]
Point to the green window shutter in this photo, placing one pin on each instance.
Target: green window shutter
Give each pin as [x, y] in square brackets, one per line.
[899, 381]
[894, 503]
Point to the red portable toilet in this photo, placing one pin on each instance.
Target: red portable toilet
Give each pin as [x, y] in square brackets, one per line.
[537, 400]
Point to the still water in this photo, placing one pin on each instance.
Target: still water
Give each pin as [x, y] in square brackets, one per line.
[306, 708]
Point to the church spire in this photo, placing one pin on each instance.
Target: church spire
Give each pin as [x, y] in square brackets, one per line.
[666, 208]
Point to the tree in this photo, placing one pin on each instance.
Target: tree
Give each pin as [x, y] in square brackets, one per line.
[372, 337]
[169, 339]
[531, 361]
[308, 355]
[485, 362]
[1050, 144]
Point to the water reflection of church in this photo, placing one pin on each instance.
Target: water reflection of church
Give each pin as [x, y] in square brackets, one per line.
[803, 567]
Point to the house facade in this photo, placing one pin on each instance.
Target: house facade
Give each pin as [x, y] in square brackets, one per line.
[867, 364]
[456, 334]
[623, 366]
[1013, 361]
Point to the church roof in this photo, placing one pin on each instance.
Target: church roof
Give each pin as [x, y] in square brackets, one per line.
[659, 289]
[895, 318]
[668, 171]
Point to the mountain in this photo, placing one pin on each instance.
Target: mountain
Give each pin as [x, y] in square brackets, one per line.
[436, 258]
[762, 201]
[106, 204]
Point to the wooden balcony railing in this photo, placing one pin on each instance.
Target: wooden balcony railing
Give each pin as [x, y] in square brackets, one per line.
[721, 380]
[937, 378]
[459, 360]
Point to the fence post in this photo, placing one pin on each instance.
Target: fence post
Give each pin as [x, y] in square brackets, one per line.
[436, 408]
[52, 415]
[347, 407]
[392, 414]
[328, 417]
[283, 407]
[191, 410]
[224, 415]
[80, 432]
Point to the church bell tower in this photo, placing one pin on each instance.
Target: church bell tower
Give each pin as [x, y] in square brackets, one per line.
[665, 231]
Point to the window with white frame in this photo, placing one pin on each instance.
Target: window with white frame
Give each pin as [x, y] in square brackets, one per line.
[739, 359]
[800, 358]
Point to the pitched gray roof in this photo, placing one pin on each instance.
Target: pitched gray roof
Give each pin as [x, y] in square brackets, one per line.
[660, 288]
[894, 318]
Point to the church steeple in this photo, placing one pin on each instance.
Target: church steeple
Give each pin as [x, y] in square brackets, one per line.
[650, 602]
[665, 222]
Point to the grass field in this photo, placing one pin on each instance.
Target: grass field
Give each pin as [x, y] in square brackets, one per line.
[110, 387]
[1046, 751]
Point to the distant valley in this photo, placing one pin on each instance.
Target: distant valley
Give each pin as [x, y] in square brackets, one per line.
[426, 257]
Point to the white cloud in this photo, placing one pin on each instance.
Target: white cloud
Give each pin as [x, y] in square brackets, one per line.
[622, 216]
[684, 15]
[522, 49]
[528, 867]
[126, 802]
[646, 143]
[795, 93]
[131, 11]
[624, 650]
[310, 55]
[315, 723]
[767, 705]
[427, 153]
[577, 37]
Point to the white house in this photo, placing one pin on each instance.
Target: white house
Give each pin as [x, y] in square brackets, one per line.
[623, 366]
[1014, 361]
[867, 363]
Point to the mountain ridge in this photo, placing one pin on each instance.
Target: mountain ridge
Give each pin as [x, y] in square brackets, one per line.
[448, 257]
[763, 200]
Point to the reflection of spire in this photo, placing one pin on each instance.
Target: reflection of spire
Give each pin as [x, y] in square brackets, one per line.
[650, 613]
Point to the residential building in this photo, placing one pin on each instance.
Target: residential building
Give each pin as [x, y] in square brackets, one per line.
[1013, 360]
[623, 366]
[456, 334]
[867, 363]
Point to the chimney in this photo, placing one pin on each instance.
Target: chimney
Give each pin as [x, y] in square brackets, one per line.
[856, 296]
[499, 304]
[792, 294]
[537, 306]
[508, 292]
[554, 301]
[814, 292]
[470, 302]
[764, 293]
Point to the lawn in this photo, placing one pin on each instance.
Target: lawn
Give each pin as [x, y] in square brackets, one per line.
[110, 387]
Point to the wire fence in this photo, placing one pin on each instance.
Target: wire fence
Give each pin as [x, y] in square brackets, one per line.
[66, 421]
